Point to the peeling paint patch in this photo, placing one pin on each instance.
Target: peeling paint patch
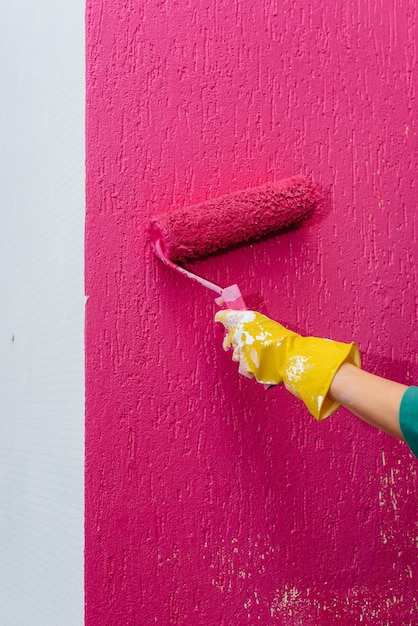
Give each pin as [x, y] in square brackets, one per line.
[306, 607]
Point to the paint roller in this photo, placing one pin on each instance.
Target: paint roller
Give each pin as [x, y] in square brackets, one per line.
[229, 221]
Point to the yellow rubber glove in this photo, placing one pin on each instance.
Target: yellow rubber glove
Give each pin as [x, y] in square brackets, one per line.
[273, 354]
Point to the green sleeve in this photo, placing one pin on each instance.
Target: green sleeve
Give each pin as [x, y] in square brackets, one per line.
[408, 418]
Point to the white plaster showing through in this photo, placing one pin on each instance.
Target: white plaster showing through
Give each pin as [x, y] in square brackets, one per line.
[360, 603]
[290, 603]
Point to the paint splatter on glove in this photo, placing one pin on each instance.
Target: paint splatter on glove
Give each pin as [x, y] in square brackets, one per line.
[272, 354]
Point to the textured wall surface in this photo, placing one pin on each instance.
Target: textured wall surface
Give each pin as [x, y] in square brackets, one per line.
[210, 501]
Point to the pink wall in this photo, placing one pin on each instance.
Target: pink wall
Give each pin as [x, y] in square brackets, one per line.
[209, 501]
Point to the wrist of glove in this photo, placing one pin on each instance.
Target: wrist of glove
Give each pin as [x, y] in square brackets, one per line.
[272, 354]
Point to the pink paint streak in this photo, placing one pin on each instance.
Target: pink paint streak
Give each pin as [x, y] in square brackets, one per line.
[209, 500]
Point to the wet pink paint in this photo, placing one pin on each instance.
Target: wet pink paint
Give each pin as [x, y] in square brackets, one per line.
[208, 499]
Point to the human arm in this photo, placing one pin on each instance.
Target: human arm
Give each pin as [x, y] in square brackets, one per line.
[373, 399]
[323, 374]
[273, 354]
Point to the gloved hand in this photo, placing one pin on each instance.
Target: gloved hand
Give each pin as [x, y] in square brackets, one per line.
[273, 354]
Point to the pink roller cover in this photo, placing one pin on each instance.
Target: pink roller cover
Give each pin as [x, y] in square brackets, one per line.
[230, 220]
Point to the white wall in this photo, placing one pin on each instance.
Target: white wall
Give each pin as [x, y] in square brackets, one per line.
[41, 312]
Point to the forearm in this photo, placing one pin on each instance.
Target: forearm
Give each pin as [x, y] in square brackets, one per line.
[373, 399]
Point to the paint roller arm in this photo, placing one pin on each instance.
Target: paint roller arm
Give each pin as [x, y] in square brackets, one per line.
[273, 354]
[373, 399]
[323, 374]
